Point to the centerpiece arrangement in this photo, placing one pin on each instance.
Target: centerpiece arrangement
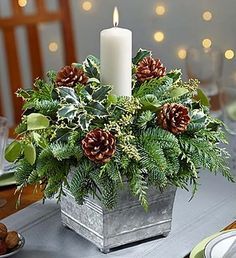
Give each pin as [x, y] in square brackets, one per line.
[90, 145]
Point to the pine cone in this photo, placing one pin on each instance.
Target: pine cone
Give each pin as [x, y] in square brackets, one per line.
[69, 76]
[174, 118]
[99, 145]
[150, 68]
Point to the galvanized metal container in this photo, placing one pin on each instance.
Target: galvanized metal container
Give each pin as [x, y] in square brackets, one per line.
[127, 223]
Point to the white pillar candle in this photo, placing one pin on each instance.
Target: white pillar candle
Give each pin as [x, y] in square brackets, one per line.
[116, 58]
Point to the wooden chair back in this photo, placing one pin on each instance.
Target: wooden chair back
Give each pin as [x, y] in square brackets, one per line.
[8, 26]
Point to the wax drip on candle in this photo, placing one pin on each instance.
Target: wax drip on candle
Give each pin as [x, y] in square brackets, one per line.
[115, 17]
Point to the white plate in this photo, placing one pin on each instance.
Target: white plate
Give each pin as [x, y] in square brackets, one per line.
[223, 246]
[16, 249]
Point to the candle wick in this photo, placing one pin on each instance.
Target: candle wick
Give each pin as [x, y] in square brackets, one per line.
[116, 24]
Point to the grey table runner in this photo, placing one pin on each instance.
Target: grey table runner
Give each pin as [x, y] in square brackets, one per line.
[213, 207]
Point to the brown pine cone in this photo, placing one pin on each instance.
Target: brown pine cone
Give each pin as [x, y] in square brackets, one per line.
[69, 76]
[150, 68]
[174, 118]
[99, 145]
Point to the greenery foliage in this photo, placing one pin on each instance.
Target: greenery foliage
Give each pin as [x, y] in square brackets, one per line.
[56, 120]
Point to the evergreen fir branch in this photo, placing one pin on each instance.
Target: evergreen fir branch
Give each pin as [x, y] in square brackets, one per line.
[112, 170]
[62, 151]
[50, 167]
[138, 185]
[47, 107]
[205, 154]
[159, 87]
[144, 118]
[33, 177]
[23, 172]
[80, 184]
[160, 152]
[107, 188]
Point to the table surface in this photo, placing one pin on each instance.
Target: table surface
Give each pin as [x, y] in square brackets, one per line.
[210, 210]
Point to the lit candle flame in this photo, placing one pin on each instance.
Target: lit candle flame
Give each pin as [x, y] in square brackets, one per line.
[115, 17]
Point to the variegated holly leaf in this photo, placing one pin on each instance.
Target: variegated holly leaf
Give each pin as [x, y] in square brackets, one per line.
[83, 93]
[101, 93]
[198, 120]
[96, 109]
[68, 95]
[24, 94]
[84, 121]
[67, 112]
[175, 75]
[91, 67]
[142, 53]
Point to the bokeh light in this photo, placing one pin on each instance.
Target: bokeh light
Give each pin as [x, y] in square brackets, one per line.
[206, 43]
[160, 10]
[159, 36]
[87, 5]
[22, 3]
[229, 54]
[53, 46]
[182, 53]
[207, 16]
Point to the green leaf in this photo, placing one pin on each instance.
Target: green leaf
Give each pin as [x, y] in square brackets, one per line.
[91, 67]
[36, 121]
[95, 108]
[202, 98]
[150, 102]
[142, 53]
[13, 151]
[112, 99]
[67, 111]
[30, 153]
[101, 93]
[68, 95]
[177, 92]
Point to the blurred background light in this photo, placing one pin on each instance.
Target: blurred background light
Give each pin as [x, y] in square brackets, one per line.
[53, 46]
[159, 36]
[206, 43]
[160, 10]
[207, 16]
[229, 54]
[87, 5]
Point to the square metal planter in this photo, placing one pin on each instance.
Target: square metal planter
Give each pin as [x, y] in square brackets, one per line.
[127, 223]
